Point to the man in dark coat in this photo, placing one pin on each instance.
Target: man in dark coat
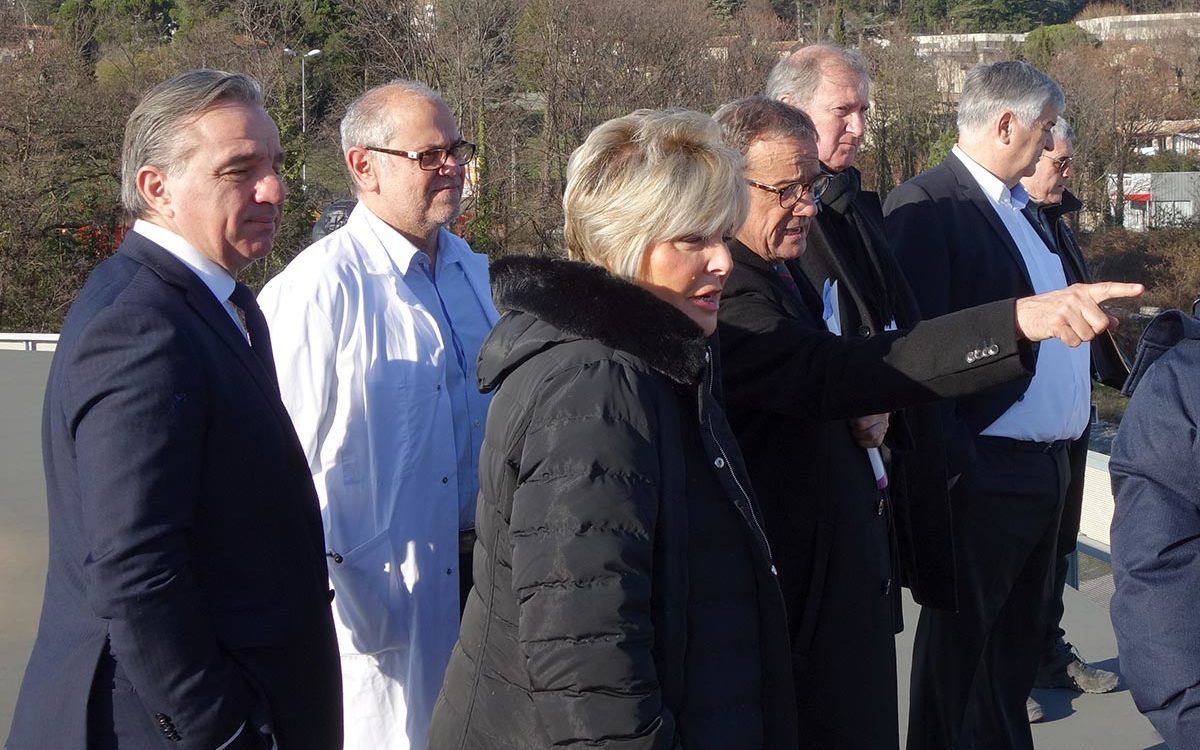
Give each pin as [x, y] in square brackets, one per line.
[962, 239]
[791, 386]
[1156, 530]
[1049, 203]
[847, 244]
[187, 599]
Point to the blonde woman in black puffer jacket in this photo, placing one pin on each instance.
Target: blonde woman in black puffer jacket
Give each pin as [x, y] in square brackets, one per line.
[624, 593]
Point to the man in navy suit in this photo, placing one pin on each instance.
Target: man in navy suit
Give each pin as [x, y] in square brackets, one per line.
[187, 600]
[962, 239]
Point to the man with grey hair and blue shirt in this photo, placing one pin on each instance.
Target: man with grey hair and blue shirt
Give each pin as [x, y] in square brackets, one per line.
[377, 329]
[962, 238]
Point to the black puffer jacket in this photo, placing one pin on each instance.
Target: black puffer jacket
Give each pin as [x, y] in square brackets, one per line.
[624, 595]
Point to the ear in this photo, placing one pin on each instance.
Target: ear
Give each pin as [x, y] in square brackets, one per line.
[787, 99]
[1004, 127]
[151, 183]
[363, 169]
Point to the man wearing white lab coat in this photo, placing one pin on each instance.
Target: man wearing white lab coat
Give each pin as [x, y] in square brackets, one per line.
[377, 327]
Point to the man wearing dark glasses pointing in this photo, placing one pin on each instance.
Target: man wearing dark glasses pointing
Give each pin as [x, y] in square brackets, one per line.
[377, 329]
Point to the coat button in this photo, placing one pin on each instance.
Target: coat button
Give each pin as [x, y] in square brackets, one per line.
[719, 462]
[445, 480]
[864, 331]
[993, 350]
[970, 358]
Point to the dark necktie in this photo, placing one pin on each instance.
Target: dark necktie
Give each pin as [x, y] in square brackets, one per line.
[788, 280]
[806, 295]
[256, 326]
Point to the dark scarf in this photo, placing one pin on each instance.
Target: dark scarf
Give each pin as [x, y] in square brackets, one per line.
[856, 243]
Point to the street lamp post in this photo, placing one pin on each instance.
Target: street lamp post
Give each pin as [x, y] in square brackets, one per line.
[303, 109]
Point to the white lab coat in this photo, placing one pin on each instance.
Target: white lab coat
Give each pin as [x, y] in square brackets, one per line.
[361, 368]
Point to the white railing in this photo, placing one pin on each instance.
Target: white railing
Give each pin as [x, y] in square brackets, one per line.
[1096, 515]
[28, 342]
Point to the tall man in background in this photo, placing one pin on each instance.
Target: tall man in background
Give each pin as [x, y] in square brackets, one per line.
[377, 327]
[187, 600]
[847, 244]
[962, 238]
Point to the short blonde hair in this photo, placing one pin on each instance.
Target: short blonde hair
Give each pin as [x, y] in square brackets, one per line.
[649, 177]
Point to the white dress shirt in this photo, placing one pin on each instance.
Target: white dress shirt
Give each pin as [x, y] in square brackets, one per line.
[217, 279]
[1056, 405]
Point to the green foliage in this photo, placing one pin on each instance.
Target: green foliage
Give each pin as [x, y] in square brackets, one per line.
[725, 8]
[926, 15]
[1166, 161]
[1044, 43]
[941, 147]
[839, 24]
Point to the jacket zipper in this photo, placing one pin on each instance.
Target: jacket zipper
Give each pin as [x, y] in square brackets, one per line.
[725, 457]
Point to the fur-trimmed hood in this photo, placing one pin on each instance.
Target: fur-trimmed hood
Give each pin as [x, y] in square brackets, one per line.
[550, 301]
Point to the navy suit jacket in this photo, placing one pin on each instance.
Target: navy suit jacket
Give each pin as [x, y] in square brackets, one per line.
[956, 253]
[185, 536]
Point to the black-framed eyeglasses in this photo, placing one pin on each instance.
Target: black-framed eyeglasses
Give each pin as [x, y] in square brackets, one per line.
[791, 193]
[1062, 163]
[433, 159]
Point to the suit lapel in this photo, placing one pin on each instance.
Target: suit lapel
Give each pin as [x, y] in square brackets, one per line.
[1071, 269]
[821, 247]
[1069, 251]
[970, 191]
[200, 298]
[796, 306]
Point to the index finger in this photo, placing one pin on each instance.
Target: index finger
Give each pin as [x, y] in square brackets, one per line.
[1106, 290]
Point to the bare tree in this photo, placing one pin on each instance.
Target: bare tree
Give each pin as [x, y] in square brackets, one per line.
[906, 109]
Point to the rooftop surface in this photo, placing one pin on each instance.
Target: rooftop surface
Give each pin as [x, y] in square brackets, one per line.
[1073, 721]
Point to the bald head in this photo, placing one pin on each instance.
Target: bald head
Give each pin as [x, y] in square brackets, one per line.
[371, 118]
[385, 134]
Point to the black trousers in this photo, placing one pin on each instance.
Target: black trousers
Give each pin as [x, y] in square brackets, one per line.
[1068, 533]
[973, 669]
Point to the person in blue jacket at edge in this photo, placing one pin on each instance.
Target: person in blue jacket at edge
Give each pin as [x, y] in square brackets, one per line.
[1156, 530]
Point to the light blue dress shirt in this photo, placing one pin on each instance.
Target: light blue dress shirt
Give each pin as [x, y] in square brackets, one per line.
[1056, 405]
[449, 297]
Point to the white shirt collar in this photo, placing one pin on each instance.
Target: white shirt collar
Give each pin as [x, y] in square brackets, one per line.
[217, 279]
[991, 185]
[400, 250]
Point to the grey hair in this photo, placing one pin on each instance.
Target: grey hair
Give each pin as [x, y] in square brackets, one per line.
[754, 118]
[1062, 130]
[156, 131]
[1008, 86]
[370, 120]
[799, 73]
